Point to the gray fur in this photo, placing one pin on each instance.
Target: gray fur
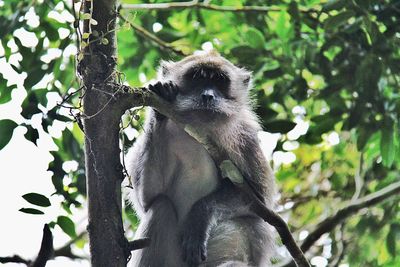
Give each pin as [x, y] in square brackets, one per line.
[176, 181]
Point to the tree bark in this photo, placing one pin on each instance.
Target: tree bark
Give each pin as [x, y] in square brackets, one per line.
[108, 246]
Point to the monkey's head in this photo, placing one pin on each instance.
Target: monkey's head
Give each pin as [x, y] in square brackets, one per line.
[210, 86]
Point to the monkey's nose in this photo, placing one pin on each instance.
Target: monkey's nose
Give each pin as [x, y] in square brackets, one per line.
[207, 96]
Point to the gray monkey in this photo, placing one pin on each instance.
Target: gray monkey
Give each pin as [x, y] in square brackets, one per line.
[192, 216]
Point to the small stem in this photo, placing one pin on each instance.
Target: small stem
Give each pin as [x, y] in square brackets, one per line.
[196, 4]
[148, 35]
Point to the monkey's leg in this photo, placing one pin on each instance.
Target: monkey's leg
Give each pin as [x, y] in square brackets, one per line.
[223, 204]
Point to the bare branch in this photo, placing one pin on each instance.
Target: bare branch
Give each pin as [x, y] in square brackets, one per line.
[196, 4]
[148, 35]
[14, 259]
[45, 252]
[328, 224]
[65, 250]
[46, 248]
[139, 243]
[358, 178]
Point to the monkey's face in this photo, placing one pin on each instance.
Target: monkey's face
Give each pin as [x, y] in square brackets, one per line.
[204, 89]
[210, 87]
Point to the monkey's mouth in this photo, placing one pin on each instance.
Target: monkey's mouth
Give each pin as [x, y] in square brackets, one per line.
[207, 107]
[207, 112]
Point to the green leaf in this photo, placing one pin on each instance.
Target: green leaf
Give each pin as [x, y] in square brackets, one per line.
[85, 35]
[51, 31]
[279, 126]
[364, 134]
[34, 76]
[37, 199]
[334, 5]
[104, 41]
[32, 134]
[255, 38]
[229, 170]
[245, 54]
[6, 131]
[335, 21]
[31, 211]
[30, 103]
[391, 239]
[5, 92]
[323, 124]
[67, 225]
[86, 16]
[388, 148]
[273, 73]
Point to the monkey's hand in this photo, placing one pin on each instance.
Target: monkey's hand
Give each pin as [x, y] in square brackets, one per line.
[194, 240]
[168, 90]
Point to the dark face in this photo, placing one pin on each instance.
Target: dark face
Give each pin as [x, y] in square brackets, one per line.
[205, 90]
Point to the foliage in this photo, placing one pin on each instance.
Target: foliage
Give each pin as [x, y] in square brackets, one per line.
[330, 65]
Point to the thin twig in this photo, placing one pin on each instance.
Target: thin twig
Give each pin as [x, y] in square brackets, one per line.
[358, 178]
[139, 243]
[46, 251]
[14, 259]
[46, 248]
[148, 35]
[340, 247]
[328, 224]
[65, 250]
[196, 4]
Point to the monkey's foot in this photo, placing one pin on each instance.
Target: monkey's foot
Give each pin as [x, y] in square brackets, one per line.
[168, 90]
[194, 249]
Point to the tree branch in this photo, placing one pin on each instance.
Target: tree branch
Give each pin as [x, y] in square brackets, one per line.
[148, 35]
[65, 251]
[196, 4]
[46, 248]
[45, 253]
[139, 243]
[14, 259]
[108, 245]
[328, 224]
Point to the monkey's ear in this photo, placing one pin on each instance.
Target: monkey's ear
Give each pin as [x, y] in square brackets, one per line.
[165, 67]
[246, 78]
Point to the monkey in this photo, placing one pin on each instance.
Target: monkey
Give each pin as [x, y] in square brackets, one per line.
[192, 215]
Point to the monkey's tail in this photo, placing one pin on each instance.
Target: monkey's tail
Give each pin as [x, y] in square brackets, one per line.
[160, 224]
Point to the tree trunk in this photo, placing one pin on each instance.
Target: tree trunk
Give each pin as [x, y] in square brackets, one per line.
[108, 246]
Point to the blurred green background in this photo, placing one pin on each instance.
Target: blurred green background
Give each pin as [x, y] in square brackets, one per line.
[326, 84]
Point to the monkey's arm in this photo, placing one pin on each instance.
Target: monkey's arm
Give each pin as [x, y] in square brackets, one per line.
[257, 171]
